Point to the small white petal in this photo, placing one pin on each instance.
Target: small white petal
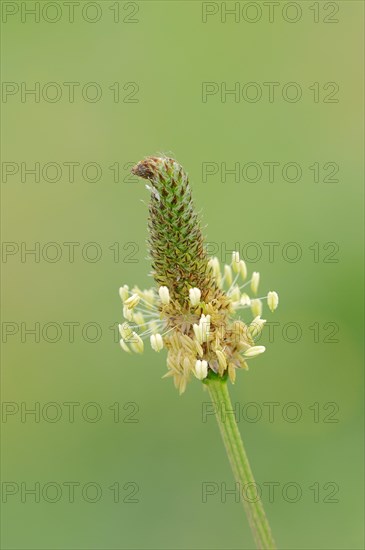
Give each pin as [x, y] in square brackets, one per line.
[243, 269]
[164, 294]
[124, 292]
[236, 261]
[204, 324]
[272, 300]
[125, 331]
[136, 343]
[255, 281]
[156, 342]
[256, 307]
[127, 313]
[213, 263]
[201, 369]
[256, 326]
[194, 295]
[254, 350]
[159, 342]
[132, 301]
[228, 274]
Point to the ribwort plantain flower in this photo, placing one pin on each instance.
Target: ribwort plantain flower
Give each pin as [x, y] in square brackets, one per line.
[196, 311]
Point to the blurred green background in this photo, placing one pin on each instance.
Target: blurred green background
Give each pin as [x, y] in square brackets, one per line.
[169, 453]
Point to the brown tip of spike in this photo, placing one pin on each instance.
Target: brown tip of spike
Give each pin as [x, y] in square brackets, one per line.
[149, 167]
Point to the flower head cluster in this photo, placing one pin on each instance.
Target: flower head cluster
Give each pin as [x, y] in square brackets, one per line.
[195, 311]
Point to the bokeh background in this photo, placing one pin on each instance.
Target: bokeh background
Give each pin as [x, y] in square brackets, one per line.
[160, 452]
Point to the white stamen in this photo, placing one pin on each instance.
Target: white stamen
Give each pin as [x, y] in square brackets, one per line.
[194, 295]
[256, 307]
[256, 326]
[156, 342]
[272, 300]
[132, 301]
[164, 294]
[124, 346]
[254, 350]
[137, 343]
[204, 325]
[243, 269]
[201, 369]
[125, 331]
[228, 274]
[124, 292]
[127, 313]
[236, 261]
[255, 281]
[214, 265]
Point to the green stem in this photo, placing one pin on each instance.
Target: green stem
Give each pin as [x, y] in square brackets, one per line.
[239, 462]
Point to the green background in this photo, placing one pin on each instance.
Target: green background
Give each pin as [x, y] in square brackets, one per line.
[170, 452]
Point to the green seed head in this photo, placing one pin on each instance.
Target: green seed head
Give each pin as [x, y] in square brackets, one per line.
[176, 245]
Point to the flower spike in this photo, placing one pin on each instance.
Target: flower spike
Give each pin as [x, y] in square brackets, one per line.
[192, 312]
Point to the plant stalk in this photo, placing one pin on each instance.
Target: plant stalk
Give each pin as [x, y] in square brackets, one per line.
[239, 462]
